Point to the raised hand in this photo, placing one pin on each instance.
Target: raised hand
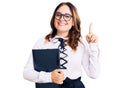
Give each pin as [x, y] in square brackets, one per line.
[90, 37]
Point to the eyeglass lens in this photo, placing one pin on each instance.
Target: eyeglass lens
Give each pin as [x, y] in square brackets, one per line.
[66, 16]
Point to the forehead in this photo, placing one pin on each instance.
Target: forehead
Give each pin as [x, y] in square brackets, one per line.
[64, 9]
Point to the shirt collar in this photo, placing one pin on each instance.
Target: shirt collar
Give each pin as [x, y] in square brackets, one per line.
[55, 39]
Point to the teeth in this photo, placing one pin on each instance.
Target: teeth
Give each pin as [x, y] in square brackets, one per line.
[61, 24]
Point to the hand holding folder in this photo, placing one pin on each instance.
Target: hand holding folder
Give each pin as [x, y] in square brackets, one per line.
[46, 60]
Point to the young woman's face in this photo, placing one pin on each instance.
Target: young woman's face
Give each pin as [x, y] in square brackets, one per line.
[63, 20]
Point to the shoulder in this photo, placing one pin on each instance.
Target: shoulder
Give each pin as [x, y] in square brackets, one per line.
[39, 43]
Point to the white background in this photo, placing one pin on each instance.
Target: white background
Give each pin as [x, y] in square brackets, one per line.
[23, 22]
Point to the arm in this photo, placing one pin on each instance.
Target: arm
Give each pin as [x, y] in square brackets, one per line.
[30, 74]
[90, 61]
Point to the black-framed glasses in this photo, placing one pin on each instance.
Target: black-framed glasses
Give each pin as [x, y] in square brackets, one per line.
[66, 17]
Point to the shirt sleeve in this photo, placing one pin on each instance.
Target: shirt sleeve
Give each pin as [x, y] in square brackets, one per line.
[30, 74]
[91, 60]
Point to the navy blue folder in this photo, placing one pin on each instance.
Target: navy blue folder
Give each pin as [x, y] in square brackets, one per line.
[46, 60]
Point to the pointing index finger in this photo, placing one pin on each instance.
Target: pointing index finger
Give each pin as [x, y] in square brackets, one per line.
[90, 28]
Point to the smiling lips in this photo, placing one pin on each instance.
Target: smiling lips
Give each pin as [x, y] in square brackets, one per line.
[62, 24]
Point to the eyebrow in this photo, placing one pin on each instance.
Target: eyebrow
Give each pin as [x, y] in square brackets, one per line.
[65, 13]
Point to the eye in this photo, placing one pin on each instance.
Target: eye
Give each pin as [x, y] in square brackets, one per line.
[67, 16]
[58, 14]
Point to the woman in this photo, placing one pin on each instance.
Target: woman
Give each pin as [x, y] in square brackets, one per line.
[65, 24]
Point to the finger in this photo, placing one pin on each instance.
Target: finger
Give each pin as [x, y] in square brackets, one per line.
[88, 38]
[59, 82]
[94, 39]
[90, 28]
[59, 71]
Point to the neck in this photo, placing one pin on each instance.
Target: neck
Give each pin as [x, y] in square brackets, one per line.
[64, 35]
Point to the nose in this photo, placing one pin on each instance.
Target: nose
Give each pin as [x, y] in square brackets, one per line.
[62, 17]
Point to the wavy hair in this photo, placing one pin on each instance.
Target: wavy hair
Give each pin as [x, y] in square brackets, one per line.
[74, 35]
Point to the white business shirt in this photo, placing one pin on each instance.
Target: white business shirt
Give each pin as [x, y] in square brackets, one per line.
[86, 56]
